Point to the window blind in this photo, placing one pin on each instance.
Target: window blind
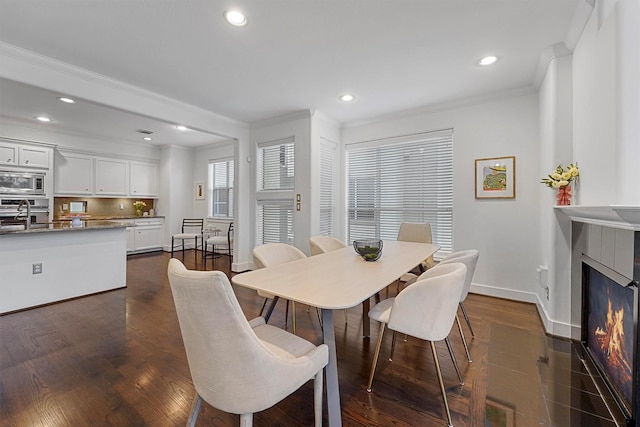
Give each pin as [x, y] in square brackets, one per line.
[328, 187]
[405, 179]
[276, 165]
[274, 222]
[221, 175]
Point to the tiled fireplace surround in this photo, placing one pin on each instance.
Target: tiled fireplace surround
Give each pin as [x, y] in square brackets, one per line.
[610, 235]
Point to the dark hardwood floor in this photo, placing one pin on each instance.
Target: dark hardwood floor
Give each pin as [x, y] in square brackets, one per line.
[117, 359]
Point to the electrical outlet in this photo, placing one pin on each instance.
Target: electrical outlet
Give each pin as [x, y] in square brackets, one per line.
[37, 268]
[121, 206]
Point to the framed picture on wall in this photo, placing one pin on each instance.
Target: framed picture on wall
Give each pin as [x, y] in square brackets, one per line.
[199, 191]
[496, 178]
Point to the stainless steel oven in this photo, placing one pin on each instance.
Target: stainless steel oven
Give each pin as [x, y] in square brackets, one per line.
[16, 183]
[10, 213]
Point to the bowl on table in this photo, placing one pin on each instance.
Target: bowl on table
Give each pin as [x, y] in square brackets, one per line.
[369, 250]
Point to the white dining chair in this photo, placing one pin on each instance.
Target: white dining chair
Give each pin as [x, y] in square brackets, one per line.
[469, 258]
[271, 254]
[221, 241]
[419, 233]
[426, 310]
[192, 228]
[238, 366]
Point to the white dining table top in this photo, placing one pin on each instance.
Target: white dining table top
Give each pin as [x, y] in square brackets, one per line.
[337, 279]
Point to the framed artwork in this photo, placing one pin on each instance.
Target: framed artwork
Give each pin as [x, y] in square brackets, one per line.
[199, 191]
[496, 178]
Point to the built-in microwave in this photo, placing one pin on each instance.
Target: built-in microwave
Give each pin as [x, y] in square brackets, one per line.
[16, 183]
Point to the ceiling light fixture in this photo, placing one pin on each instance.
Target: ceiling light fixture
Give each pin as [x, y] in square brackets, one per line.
[347, 97]
[235, 18]
[488, 60]
[182, 128]
[66, 100]
[43, 119]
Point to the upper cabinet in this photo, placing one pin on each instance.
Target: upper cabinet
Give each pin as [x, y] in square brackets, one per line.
[143, 179]
[111, 177]
[24, 155]
[104, 176]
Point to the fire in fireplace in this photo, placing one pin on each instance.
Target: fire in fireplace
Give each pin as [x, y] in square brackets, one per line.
[609, 334]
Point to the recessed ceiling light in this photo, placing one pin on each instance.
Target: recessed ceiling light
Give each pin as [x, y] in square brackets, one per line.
[236, 18]
[488, 60]
[66, 100]
[347, 97]
[182, 127]
[43, 119]
[146, 138]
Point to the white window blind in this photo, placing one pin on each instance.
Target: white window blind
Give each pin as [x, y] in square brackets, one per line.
[221, 188]
[406, 179]
[328, 187]
[274, 195]
[276, 165]
[274, 222]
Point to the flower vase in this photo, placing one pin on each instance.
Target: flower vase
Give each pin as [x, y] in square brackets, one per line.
[139, 212]
[564, 195]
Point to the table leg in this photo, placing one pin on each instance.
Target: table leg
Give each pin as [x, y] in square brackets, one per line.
[366, 329]
[331, 371]
[270, 310]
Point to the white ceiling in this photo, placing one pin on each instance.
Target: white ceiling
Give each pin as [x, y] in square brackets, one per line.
[293, 55]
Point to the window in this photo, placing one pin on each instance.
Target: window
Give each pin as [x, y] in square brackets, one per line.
[221, 188]
[405, 179]
[274, 197]
[328, 187]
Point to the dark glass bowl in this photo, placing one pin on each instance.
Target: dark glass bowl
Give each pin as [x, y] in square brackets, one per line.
[369, 250]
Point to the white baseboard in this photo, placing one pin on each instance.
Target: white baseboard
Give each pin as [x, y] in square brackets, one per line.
[552, 327]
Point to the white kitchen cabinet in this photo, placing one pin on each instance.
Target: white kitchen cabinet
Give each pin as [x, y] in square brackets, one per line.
[145, 236]
[8, 155]
[35, 157]
[73, 174]
[24, 155]
[111, 177]
[144, 179]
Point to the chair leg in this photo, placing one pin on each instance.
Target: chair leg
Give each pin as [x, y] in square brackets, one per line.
[195, 410]
[317, 398]
[264, 304]
[172, 247]
[293, 316]
[195, 251]
[393, 346]
[453, 359]
[464, 312]
[464, 341]
[442, 389]
[319, 317]
[246, 420]
[375, 356]
[286, 313]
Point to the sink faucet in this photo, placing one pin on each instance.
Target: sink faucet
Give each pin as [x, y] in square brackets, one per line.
[25, 202]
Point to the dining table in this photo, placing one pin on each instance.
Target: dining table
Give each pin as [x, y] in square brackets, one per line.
[334, 281]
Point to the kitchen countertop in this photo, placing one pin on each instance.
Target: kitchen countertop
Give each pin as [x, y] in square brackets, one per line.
[57, 226]
[103, 218]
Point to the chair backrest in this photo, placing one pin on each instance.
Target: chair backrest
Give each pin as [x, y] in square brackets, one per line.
[230, 366]
[193, 223]
[469, 258]
[427, 308]
[323, 244]
[271, 254]
[416, 232]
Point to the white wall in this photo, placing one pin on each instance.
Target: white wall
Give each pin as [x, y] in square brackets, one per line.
[506, 232]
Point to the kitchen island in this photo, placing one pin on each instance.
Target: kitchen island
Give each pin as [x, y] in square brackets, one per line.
[59, 261]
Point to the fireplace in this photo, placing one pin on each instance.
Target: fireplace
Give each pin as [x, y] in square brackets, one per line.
[610, 334]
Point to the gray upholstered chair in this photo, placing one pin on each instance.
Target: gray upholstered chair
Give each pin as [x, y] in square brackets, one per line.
[223, 241]
[238, 366]
[469, 258]
[323, 244]
[271, 254]
[415, 232]
[426, 310]
[192, 228]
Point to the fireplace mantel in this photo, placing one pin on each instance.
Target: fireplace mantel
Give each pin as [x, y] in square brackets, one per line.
[617, 216]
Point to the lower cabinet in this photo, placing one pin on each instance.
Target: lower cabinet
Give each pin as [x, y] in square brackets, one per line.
[145, 236]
